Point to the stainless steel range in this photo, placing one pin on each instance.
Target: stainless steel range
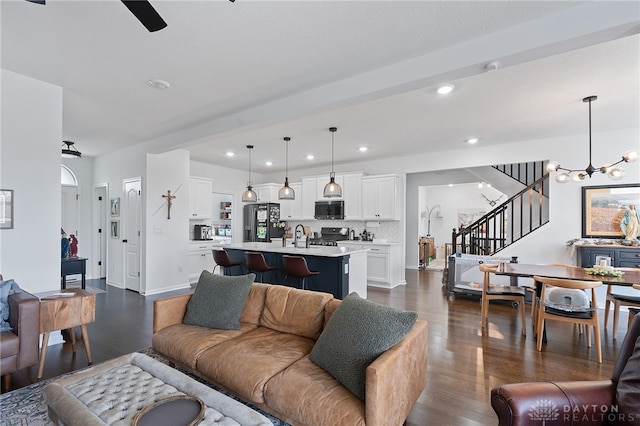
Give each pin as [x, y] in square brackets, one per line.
[330, 237]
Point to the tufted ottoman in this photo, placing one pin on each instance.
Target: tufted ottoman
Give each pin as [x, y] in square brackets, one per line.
[113, 392]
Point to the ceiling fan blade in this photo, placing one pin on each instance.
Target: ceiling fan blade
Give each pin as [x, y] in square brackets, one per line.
[37, 1]
[146, 14]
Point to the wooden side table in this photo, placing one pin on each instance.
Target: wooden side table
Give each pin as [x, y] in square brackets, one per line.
[59, 312]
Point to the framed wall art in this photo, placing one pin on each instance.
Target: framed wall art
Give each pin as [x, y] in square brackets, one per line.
[115, 207]
[115, 229]
[604, 207]
[6, 208]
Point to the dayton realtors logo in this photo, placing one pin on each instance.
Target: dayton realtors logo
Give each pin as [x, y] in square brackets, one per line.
[545, 410]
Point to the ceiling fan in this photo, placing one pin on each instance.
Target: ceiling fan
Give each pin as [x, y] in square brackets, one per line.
[141, 9]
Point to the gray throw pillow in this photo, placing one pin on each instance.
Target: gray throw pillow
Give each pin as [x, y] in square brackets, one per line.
[218, 301]
[7, 288]
[358, 332]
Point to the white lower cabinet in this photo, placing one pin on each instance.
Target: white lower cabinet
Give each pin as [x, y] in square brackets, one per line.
[200, 258]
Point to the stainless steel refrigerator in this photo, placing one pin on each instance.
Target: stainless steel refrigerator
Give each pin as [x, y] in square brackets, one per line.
[262, 222]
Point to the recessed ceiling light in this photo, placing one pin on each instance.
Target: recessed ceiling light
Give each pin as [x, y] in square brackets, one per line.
[445, 89]
[472, 140]
[159, 84]
[363, 149]
[310, 156]
[229, 154]
[268, 163]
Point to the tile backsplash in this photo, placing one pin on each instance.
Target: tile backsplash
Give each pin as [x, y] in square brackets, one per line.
[390, 230]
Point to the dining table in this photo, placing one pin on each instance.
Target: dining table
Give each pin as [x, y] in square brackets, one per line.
[629, 278]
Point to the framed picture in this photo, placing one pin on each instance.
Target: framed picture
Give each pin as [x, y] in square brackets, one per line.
[6, 208]
[115, 229]
[115, 206]
[604, 207]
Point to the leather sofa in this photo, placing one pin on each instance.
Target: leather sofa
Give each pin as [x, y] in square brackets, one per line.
[576, 402]
[267, 363]
[19, 348]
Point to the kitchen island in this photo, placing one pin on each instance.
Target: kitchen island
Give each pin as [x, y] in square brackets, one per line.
[342, 269]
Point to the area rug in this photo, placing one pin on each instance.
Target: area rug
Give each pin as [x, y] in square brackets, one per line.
[26, 406]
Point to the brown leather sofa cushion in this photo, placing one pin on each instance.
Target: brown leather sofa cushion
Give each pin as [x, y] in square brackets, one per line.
[628, 390]
[294, 311]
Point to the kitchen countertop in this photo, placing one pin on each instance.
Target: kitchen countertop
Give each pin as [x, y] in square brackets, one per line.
[320, 251]
[376, 242]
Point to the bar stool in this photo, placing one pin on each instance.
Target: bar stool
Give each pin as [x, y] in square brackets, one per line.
[296, 266]
[257, 264]
[221, 257]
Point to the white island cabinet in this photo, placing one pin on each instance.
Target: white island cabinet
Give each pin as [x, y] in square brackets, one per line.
[384, 262]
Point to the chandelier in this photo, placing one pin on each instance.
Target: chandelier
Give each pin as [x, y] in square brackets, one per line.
[577, 175]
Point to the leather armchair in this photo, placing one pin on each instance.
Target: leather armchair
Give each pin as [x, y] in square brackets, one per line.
[19, 348]
[520, 404]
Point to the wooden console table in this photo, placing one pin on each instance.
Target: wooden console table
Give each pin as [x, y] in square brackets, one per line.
[59, 312]
[72, 266]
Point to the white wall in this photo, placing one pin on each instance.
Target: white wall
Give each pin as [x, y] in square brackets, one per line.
[30, 166]
[167, 240]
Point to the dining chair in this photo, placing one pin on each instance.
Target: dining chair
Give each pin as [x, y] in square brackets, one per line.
[566, 311]
[618, 300]
[491, 292]
[257, 264]
[296, 266]
[221, 258]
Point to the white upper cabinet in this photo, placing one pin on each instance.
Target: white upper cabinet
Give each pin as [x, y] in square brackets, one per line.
[292, 209]
[308, 198]
[267, 192]
[352, 195]
[380, 197]
[200, 198]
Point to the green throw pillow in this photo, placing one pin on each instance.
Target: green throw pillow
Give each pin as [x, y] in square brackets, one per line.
[358, 332]
[218, 301]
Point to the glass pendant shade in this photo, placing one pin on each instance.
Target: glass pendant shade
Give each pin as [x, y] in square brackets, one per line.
[332, 189]
[249, 195]
[286, 192]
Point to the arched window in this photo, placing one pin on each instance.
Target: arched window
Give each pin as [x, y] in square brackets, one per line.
[67, 177]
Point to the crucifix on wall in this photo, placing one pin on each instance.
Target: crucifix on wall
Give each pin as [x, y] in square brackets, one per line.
[170, 199]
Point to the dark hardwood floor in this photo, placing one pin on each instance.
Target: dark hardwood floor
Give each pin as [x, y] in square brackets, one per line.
[463, 363]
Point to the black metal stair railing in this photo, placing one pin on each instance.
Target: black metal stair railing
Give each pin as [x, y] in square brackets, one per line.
[525, 173]
[512, 220]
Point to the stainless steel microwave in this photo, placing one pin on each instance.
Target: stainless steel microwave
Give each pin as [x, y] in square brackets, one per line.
[329, 209]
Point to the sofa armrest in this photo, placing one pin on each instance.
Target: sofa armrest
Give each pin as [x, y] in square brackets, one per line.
[396, 379]
[169, 311]
[24, 318]
[515, 403]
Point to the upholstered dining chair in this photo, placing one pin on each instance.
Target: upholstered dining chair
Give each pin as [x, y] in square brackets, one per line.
[491, 292]
[257, 264]
[565, 311]
[618, 300]
[221, 257]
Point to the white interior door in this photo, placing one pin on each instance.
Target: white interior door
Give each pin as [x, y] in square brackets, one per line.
[131, 233]
[70, 210]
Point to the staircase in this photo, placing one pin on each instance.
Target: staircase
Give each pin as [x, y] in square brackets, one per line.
[510, 221]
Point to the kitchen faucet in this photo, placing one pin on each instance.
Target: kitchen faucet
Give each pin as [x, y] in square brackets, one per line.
[295, 234]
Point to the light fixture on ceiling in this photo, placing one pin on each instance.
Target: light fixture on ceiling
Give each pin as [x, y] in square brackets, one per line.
[310, 156]
[249, 195]
[445, 89]
[229, 153]
[268, 163]
[564, 175]
[159, 84]
[471, 141]
[286, 192]
[363, 149]
[332, 189]
[70, 151]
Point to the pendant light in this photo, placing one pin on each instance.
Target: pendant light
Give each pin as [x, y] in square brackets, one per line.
[286, 192]
[564, 175]
[70, 151]
[249, 195]
[332, 189]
